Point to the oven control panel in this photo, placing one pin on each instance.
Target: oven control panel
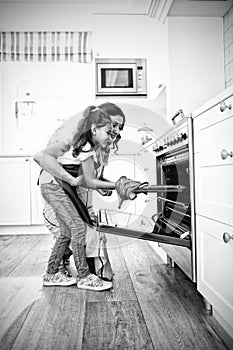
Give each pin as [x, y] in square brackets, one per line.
[175, 138]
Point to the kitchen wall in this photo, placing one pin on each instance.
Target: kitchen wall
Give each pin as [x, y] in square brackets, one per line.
[62, 89]
[228, 47]
[185, 57]
[59, 89]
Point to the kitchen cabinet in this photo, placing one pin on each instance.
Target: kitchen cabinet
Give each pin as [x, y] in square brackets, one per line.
[213, 156]
[15, 201]
[120, 35]
[20, 202]
[215, 259]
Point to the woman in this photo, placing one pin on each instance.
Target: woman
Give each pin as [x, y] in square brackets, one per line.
[62, 133]
[94, 131]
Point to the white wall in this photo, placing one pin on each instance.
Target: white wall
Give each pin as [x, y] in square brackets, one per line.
[196, 61]
[62, 89]
[45, 16]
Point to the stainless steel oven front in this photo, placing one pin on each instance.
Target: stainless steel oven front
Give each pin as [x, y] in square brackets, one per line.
[172, 224]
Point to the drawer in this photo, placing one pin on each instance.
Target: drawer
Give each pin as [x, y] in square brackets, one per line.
[212, 129]
[214, 265]
[213, 189]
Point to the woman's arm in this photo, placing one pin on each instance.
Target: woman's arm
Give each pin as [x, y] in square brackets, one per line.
[90, 179]
[47, 159]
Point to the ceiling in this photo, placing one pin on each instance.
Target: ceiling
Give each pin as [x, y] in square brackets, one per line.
[159, 9]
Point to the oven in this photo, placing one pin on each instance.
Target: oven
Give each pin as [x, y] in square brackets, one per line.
[172, 225]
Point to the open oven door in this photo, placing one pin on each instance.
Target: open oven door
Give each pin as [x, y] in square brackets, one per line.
[158, 228]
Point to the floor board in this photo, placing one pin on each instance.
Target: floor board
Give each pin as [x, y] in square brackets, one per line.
[151, 306]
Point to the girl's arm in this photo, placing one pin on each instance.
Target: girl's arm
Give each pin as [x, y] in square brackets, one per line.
[47, 159]
[90, 179]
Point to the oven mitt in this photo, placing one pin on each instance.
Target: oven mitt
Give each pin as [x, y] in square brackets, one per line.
[125, 188]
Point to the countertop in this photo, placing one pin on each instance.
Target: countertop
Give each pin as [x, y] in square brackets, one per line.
[223, 95]
[15, 154]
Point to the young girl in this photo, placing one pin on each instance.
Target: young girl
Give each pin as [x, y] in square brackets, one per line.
[69, 127]
[94, 131]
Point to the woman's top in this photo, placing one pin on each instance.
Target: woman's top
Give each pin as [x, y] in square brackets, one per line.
[64, 133]
[67, 158]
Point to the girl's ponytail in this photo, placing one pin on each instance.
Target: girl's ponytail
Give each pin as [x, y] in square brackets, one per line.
[91, 115]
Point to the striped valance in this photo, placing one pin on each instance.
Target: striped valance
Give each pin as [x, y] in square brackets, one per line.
[46, 46]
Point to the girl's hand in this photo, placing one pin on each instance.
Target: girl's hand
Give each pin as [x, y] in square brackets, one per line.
[104, 192]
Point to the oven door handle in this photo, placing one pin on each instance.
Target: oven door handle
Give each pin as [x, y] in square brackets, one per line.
[159, 188]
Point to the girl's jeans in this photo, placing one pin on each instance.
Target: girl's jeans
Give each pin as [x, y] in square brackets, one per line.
[71, 228]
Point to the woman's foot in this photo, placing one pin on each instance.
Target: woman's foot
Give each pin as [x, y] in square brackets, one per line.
[58, 279]
[92, 282]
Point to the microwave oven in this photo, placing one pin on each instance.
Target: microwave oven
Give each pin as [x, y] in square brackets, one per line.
[121, 77]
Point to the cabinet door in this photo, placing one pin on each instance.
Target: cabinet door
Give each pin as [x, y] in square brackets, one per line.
[120, 35]
[37, 202]
[214, 172]
[214, 265]
[15, 205]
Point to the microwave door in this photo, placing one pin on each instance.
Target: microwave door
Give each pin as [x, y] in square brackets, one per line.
[116, 78]
[138, 226]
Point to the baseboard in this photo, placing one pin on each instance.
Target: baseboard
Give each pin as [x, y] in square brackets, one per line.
[228, 328]
[23, 230]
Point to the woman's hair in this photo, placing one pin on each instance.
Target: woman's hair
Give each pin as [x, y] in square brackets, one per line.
[91, 115]
[112, 109]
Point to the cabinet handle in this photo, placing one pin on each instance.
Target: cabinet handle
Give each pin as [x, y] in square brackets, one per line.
[224, 106]
[225, 154]
[227, 237]
[26, 160]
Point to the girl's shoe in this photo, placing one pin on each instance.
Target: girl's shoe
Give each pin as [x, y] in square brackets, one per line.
[58, 279]
[92, 282]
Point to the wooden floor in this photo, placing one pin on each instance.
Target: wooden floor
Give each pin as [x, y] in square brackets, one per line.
[150, 307]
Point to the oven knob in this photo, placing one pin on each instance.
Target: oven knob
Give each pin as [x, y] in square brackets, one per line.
[184, 136]
[160, 148]
[175, 141]
[171, 143]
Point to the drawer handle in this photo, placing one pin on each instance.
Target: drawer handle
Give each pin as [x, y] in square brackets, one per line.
[227, 237]
[225, 154]
[224, 106]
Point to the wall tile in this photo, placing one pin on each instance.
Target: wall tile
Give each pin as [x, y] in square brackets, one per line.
[226, 22]
[228, 47]
[231, 16]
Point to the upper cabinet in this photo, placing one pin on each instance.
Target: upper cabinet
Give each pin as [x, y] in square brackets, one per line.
[119, 35]
[196, 61]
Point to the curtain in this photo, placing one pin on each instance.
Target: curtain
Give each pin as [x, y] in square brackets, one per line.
[46, 46]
